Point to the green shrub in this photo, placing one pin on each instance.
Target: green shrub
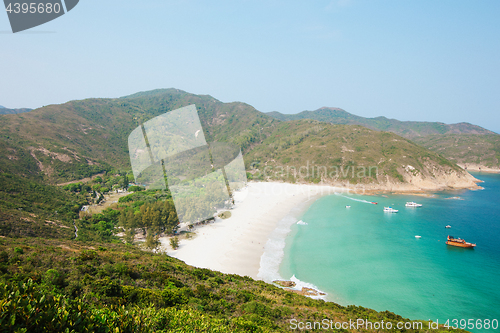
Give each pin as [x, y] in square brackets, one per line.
[135, 188]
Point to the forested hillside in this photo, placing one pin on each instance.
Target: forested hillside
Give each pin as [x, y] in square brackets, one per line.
[461, 143]
[58, 285]
[66, 268]
[80, 138]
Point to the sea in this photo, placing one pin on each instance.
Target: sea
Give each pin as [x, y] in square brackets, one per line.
[366, 257]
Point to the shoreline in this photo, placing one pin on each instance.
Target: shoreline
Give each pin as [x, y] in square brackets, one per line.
[236, 245]
[251, 242]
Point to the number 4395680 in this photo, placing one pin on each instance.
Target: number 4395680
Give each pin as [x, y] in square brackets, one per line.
[33, 8]
[472, 324]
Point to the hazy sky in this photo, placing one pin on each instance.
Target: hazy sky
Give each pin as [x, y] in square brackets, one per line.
[410, 60]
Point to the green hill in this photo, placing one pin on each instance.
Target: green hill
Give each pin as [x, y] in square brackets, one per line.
[58, 285]
[470, 149]
[407, 129]
[433, 135]
[4, 110]
[312, 151]
[52, 281]
[71, 141]
[60, 143]
[80, 138]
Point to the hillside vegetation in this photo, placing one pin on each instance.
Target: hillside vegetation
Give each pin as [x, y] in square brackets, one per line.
[407, 129]
[481, 150]
[4, 110]
[63, 269]
[54, 286]
[74, 140]
[61, 143]
[313, 151]
[456, 142]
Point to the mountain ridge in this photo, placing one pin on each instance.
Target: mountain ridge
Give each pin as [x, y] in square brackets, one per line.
[453, 141]
[407, 129]
[4, 110]
[79, 138]
[84, 275]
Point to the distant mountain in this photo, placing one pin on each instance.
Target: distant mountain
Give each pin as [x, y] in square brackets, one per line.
[73, 140]
[4, 110]
[76, 139]
[407, 129]
[59, 143]
[97, 281]
[474, 144]
[469, 150]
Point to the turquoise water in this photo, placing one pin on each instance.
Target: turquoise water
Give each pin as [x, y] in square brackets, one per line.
[366, 257]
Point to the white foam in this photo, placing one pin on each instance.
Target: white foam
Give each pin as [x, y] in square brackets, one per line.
[301, 223]
[274, 251]
[354, 199]
[300, 284]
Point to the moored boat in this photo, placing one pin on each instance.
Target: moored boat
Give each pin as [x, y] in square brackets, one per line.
[459, 242]
[413, 204]
[390, 210]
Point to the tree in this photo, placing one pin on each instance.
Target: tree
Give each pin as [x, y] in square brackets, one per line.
[174, 242]
[155, 221]
[152, 241]
[130, 225]
[125, 180]
[135, 189]
[172, 221]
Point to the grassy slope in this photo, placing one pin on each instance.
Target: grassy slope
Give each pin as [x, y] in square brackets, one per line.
[77, 139]
[83, 137]
[465, 148]
[408, 129]
[340, 147]
[450, 140]
[95, 131]
[102, 287]
[13, 111]
[30, 208]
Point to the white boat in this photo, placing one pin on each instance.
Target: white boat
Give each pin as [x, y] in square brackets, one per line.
[448, 226]
[418, 236]
[347, 206]
[413, 204]
[390, 210]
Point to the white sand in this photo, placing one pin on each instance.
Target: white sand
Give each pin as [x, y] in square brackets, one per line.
[235, 245]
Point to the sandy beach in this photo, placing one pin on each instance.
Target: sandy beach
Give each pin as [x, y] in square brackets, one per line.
[236, 245]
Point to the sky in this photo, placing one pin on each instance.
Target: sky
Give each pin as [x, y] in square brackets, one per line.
[409, 60]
